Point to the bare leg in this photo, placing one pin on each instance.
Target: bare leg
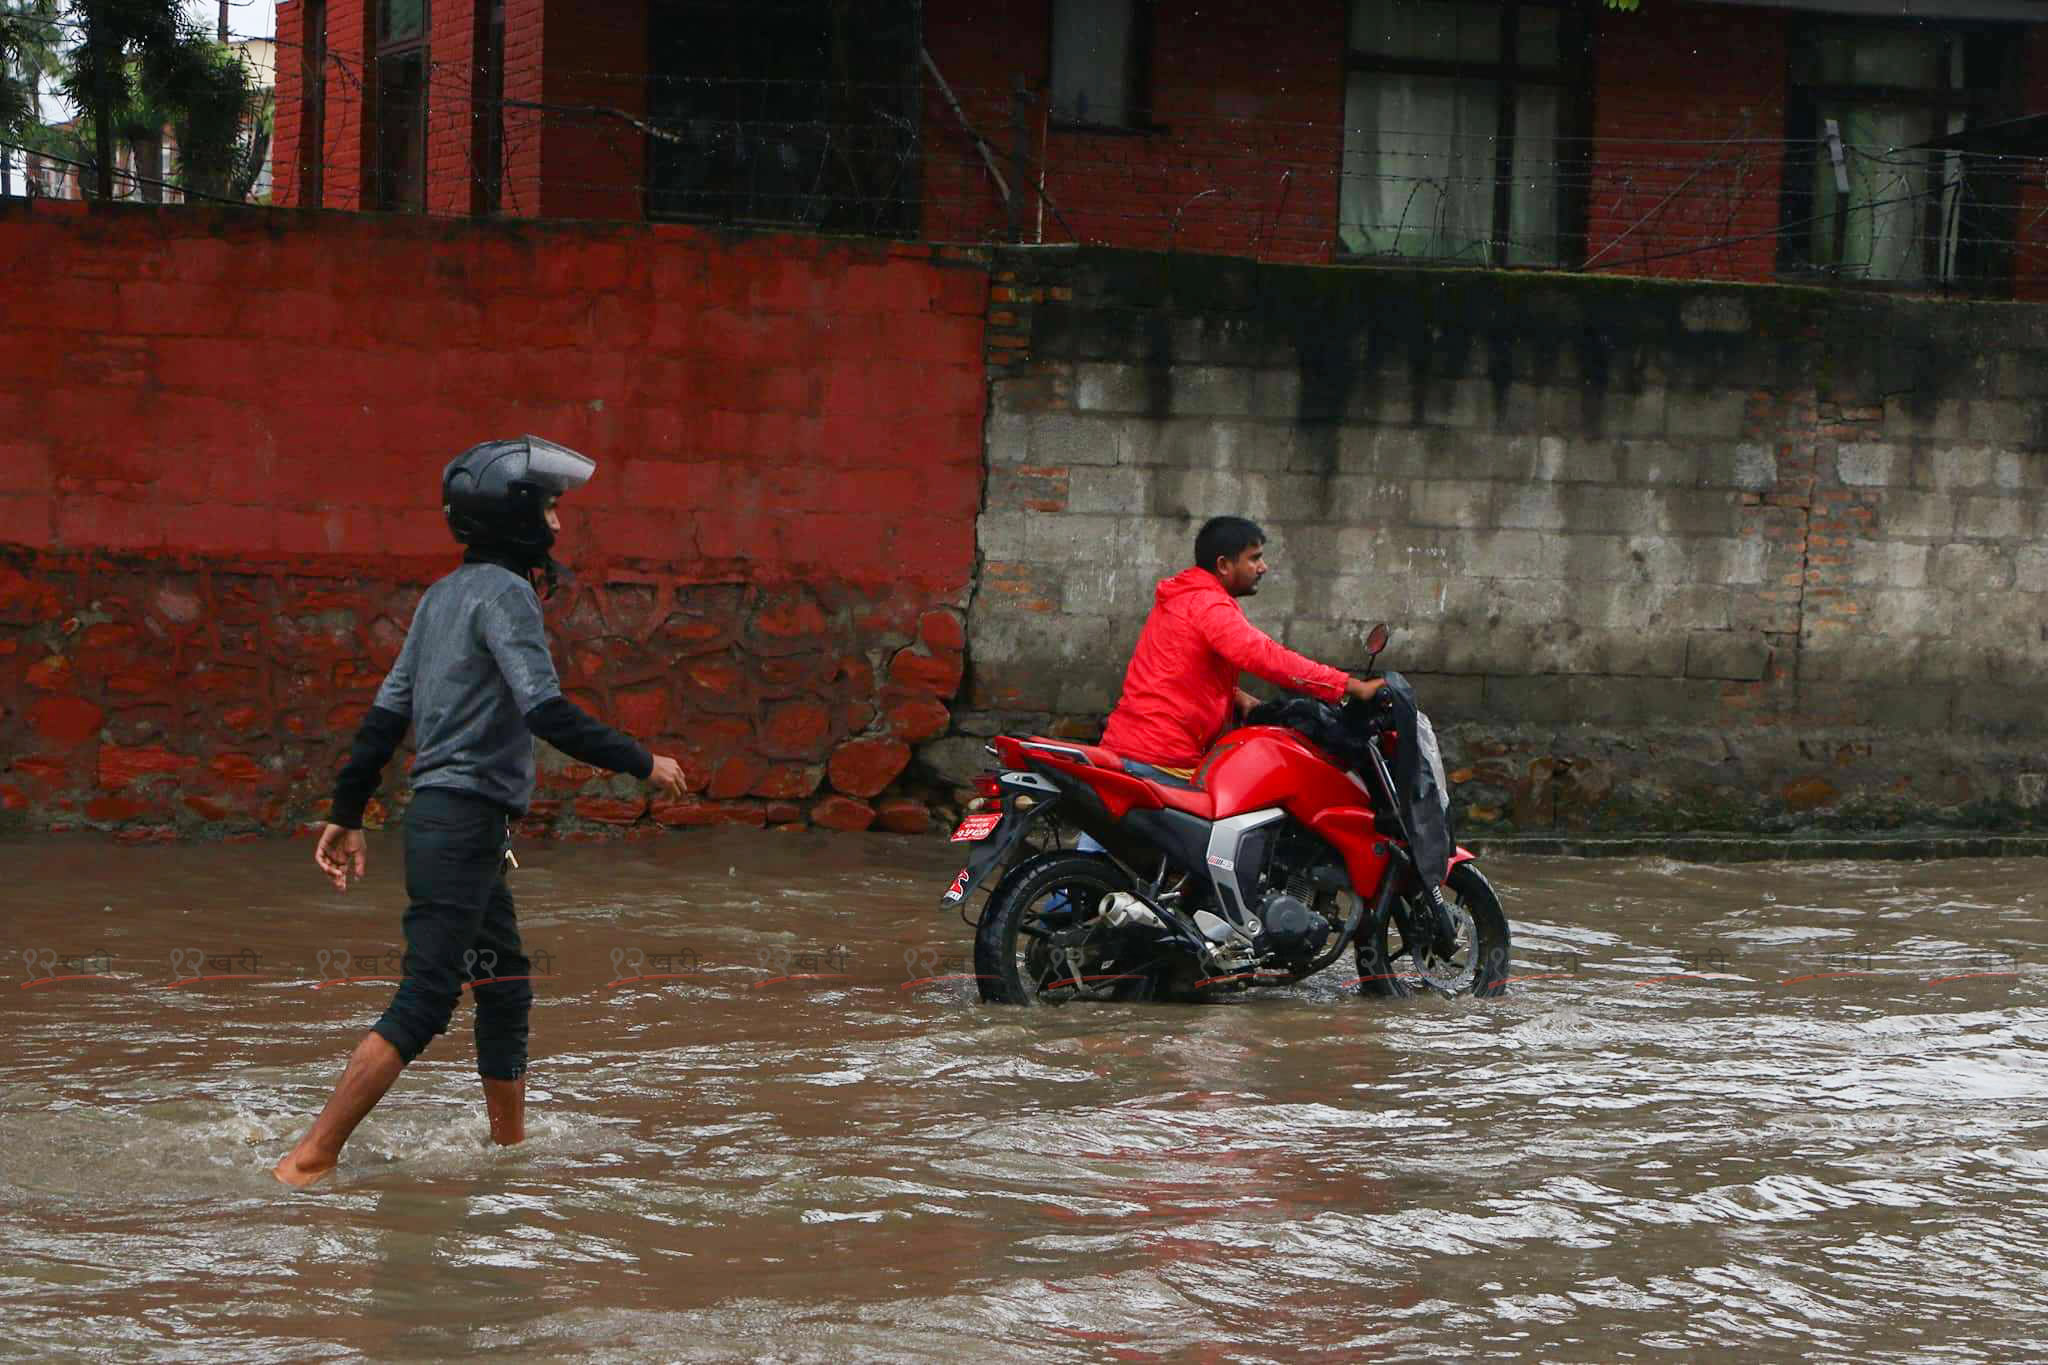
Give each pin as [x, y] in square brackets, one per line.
[505, 1102]
[372, 1067]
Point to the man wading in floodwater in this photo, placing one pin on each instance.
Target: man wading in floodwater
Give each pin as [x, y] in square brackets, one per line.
[476, 681]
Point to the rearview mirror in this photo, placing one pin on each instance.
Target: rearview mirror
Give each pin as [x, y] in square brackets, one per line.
[1377, 639]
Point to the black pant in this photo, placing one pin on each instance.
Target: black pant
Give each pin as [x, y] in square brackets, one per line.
[460, 929]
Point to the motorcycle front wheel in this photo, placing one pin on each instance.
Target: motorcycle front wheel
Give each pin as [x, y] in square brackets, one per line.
[1043, 940]
[1387, 966]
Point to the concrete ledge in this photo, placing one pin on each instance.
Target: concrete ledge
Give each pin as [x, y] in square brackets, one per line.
[1752, 848]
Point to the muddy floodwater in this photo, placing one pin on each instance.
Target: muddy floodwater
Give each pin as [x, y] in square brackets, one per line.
[1756, 1112]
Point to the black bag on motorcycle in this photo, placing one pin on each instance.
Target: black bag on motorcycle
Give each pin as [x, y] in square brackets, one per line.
[1419, 784]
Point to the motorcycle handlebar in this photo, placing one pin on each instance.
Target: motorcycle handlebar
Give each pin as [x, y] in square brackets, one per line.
[1375, 712]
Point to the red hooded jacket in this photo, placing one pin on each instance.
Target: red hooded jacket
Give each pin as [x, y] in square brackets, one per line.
[1183, 674]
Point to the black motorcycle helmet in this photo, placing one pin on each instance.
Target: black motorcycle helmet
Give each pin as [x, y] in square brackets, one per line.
[495, 496]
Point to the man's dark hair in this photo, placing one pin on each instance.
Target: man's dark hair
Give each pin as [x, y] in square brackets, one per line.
[1225, 538]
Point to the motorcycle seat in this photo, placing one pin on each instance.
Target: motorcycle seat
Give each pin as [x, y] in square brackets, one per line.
[1094, 755]
[1176, 793]
[1199, 804]
[1158, 777]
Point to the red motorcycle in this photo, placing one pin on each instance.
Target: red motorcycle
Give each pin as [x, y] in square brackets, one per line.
[1309, 829]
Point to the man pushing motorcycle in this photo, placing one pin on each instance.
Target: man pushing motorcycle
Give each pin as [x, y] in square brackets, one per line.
[1313, 829]
[1181, 688]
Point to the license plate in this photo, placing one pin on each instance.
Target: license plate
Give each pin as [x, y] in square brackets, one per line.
[977, 827]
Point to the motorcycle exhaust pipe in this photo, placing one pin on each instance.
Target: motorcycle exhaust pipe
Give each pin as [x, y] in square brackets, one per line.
[1156, 916]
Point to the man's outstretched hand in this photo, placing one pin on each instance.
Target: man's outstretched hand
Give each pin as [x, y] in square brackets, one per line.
[1363, 689]
[667, 775]
[342, 853]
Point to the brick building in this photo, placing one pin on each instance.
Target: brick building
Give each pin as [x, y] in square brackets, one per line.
[1725, 139]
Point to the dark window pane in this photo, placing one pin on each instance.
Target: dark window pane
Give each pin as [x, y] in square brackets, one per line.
[487, 141]
[401, 123]
[1423, 170]
[1907, 216]
[401, 20]
[1534, 207]
[1911, 60]
[1884, 223]
[313, 104]
[1537, 40]
[1419, 167]
[1091, 61]
[1435, 30]
[785, 111]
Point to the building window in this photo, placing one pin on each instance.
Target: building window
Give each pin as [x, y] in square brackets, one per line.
[1866, 102]
[1098, 63]
[785, 112]
[312, 102]
[401, 105]
[1457, 120]
[487, 109]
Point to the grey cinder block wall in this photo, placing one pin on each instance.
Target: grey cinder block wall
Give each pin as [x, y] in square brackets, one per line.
[1656, 555]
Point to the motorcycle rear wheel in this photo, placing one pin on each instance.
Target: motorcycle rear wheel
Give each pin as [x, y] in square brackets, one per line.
[1014, 963]
[1479, 967]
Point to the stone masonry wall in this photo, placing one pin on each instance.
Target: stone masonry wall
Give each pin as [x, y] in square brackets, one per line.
[1657, 555]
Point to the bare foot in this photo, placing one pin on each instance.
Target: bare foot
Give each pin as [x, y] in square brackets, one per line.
[371, 1069]
[299, 1172]
[505, 1105]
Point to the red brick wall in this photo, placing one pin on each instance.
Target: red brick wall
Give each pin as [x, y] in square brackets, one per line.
[451, 106]
[1712, 77]
[524, 127]
[287, 154]
[2030, 254]
[218, 482]
[978, 52]
[351, 130]
[594, 165]
[1251, 103]
[343, 150]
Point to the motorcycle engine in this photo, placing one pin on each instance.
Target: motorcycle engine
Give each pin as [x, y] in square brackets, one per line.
[1294, 932]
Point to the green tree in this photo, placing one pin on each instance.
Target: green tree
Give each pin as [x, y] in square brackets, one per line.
[31, 53]
[138, 66]
[207, 100]
[255, 148]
